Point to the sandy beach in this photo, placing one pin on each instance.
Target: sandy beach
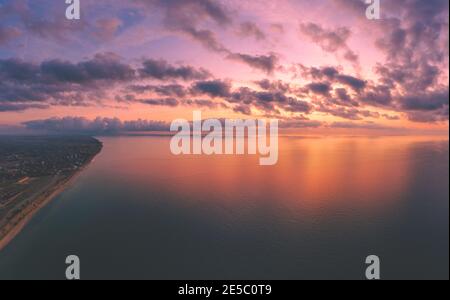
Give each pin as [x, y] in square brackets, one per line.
[14, 226]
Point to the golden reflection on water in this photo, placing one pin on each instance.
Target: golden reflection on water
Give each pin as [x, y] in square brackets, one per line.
[313, 175]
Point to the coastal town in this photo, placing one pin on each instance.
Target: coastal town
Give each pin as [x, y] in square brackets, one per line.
[35, 168]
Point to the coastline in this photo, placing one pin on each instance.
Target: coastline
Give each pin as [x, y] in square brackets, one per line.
[19, 222]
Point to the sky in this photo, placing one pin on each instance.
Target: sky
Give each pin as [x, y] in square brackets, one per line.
[317, 65]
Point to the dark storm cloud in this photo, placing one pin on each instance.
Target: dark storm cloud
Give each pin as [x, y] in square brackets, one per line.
[162, 70]
[80, 125]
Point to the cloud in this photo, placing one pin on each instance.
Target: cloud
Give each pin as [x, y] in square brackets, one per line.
[266, 63]
[333, 41]
[349, 113]
[207, 38]
[180, 14]
[214, 88]
[268, 101]
[277, 28]
[204, 103]
[16, 107]
[243, 109]
[273, 98]
[250, 29]
[168, 90]
[105, 67]
[365, 125]
[98, 126]
[342, 98]
[320, 88]
[426, 102]
[53, 26]
[414, 39]
[361, 93]
[186, 17]
[428, 116]
[333, 74]
[276, 85]
[113, 126]
[171, 102]
[162, 70]
[8, 33]
[353, 82]
[58, 82]
[426, 107]
[296, 124]
[107, 28]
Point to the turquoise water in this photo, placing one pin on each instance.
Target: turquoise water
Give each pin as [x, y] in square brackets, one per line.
[138, 212]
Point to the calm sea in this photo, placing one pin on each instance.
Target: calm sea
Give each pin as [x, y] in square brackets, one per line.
[138, 212]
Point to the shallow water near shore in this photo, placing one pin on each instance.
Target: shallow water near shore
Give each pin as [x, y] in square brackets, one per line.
[138, 212]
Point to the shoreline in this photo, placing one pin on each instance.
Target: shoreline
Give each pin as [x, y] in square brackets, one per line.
[40, 201]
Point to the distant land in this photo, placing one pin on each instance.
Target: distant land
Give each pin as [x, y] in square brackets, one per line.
[34, 169]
